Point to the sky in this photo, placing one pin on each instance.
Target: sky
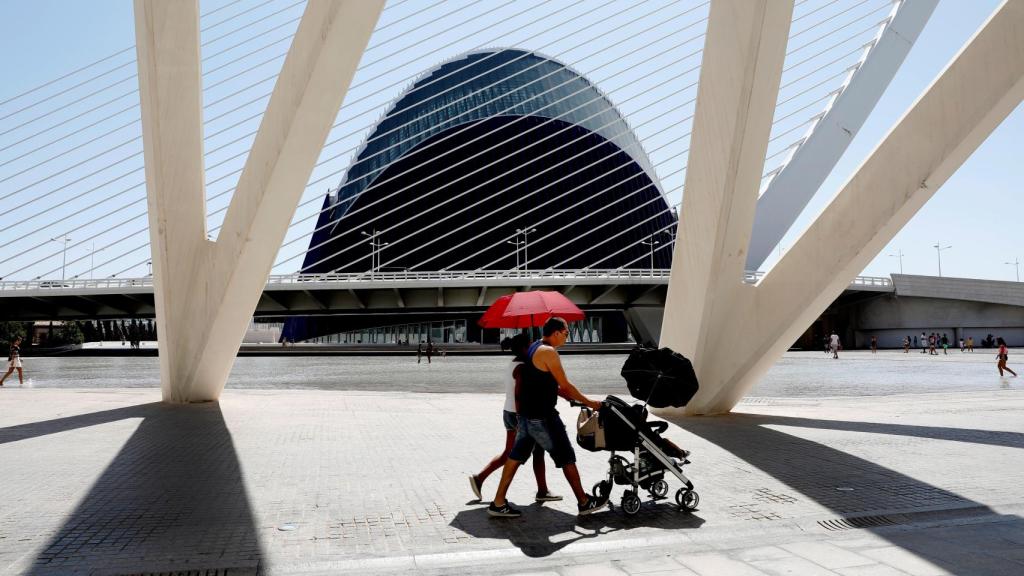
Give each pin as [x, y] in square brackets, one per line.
[976, 212]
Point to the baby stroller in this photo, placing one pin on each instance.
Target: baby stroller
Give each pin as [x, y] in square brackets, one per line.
[660, 378]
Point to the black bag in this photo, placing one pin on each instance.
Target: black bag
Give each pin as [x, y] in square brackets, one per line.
[661, 377]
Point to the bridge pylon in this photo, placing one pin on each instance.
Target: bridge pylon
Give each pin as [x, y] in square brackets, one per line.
[735, 332]
[205, 291]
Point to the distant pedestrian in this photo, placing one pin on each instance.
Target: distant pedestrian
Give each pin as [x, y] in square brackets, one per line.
[945, 344]
[924, 343]
[419, 352]
[906, 344]
[931, 344]
[970, 343]
[1001, 357]
[962, 345]
[430, 350]
[14, 362]
[833, 343]
[874, 344]
[513, 379]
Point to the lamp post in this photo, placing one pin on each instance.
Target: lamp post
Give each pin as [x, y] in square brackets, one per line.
[938, 252]
[149, 267]
[651, 243]
[375, 247]
[526, 246]
[64, 257]
[517, 244]
[1016, 266]
[899, 255]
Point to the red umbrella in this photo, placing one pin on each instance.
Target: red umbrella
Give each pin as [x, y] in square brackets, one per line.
[528, 309]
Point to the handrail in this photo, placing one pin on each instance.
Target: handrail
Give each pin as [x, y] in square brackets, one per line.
[400, 276]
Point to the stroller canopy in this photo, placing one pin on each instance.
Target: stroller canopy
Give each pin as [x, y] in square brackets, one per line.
[660, 377]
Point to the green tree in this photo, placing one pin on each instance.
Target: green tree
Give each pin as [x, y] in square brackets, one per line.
[11, 330]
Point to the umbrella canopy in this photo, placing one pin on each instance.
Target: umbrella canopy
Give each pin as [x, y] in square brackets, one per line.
[528, 309]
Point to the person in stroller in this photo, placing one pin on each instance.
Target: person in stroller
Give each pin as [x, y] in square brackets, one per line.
[543, 381]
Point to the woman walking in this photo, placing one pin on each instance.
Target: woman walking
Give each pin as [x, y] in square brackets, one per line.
[1002, 356]
[14, 362]
[519, 345]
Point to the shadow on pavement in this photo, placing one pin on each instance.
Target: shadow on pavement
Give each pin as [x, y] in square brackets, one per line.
[542, 530]
[173, 498]
[817, 471]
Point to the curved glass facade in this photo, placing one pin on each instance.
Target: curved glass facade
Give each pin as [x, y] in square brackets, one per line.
[482, 145]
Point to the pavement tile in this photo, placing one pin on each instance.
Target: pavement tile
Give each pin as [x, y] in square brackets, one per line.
[652, 566]
[827, 554]
[903, 560]
[792, 566]
[762, 553]
[600, 569]
[717, 564]
[870, 570]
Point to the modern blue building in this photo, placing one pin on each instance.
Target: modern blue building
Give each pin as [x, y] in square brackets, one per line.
[476, 148]
[482, 145]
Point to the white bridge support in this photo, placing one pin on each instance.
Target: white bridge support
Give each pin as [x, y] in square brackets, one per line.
[206, 292]
[735, 333]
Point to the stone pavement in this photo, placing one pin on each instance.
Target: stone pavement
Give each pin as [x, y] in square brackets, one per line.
[311, 482]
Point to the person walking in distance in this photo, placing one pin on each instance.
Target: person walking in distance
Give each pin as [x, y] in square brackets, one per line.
[419, 352]
[543, 381]
[430, 350]
[833, 344]
[945, 344]
[970, 343]
[1001, 357]
[906, 344]
[513, 381]
[924, 343]
[962, 345]
[874, 344]
[14, 362]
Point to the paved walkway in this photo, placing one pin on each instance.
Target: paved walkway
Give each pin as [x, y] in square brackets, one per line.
[296, 482]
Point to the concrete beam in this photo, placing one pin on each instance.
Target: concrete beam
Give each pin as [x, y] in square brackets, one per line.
[205, 292]
[972, 96]
[744, 52]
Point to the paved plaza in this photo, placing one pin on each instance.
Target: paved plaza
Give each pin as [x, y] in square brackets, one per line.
[313, 481]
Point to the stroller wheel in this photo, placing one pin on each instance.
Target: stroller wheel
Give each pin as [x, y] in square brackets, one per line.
[687, 499]
[601, 489]
[659, 489]
[630, 502]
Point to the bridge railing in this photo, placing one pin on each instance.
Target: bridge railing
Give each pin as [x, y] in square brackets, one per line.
[72, 284]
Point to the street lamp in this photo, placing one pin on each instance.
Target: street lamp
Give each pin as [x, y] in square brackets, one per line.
[375, 247]
[517, 244]
[899, 255]
[526, 246]
[64, 261]
[149, 267]
[938, 253]
[1016, 266]
[651, 243]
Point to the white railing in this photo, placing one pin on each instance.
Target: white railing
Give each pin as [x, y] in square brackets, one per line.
[72, 284]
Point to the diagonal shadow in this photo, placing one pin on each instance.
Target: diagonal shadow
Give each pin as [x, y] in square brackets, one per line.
[173, 498]
[971, 435]
[542, 530]
[816, 471]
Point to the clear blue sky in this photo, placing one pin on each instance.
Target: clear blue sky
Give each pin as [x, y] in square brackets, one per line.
[977, 211]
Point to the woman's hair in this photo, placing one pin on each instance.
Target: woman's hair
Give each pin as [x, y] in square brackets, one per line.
[518, 345]
[1000, 341]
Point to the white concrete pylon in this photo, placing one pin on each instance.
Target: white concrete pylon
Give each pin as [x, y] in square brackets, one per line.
[744, 51]
[972, 96]
[206, 292]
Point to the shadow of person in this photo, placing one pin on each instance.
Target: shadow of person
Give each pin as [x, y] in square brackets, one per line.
[543, 530]
[818, 472]
[172, 499]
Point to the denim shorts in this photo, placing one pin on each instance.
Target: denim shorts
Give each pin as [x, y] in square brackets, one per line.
[549, 434]
[511, 420]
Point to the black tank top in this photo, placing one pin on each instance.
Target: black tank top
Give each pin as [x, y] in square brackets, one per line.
[538, 391]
